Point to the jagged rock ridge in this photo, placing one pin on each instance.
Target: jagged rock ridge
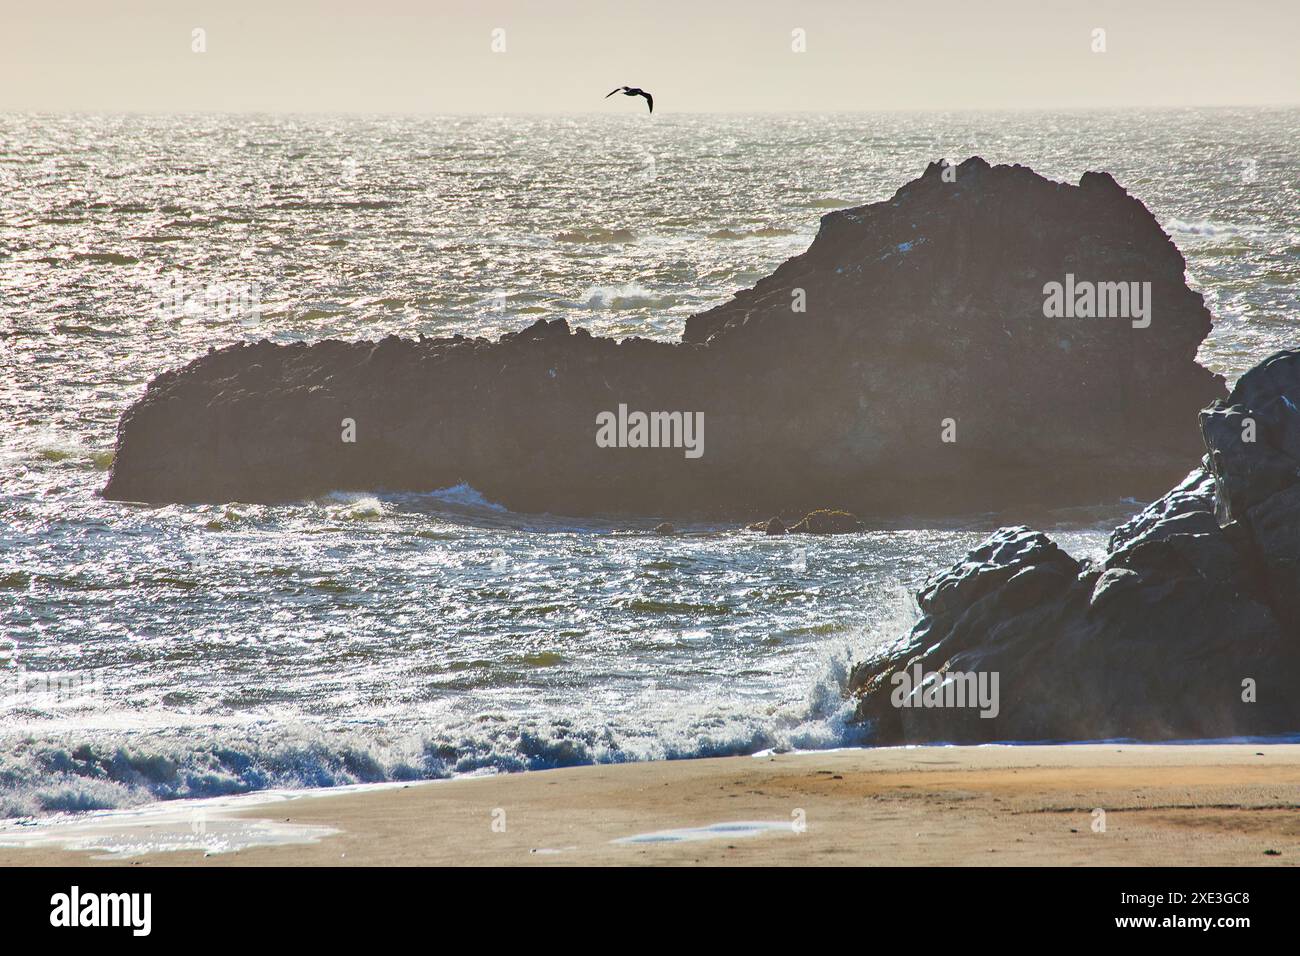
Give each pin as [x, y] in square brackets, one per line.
[923, 319]
[1189, 628]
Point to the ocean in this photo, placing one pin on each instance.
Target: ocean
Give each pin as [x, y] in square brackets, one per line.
[153, 653]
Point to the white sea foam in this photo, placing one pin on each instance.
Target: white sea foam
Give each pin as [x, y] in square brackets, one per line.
[84, 771]
[630, 295]
[362, 508]
[1207, 227]
[209, 826]
[465, 496]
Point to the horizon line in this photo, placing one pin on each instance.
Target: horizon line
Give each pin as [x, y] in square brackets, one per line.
[127, 111]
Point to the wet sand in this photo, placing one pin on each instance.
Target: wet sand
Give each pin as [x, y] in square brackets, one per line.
[1204, 804]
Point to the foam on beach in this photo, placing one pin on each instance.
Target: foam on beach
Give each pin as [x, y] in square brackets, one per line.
[210, 826]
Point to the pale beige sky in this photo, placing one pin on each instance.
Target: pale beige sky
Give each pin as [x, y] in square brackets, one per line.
[694, 55]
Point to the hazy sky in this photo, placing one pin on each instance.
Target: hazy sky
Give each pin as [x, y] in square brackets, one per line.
[693, 55]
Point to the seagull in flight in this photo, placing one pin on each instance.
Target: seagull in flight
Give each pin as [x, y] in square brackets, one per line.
[633, 91]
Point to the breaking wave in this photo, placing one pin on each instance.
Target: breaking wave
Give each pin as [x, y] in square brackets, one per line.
[76, 772]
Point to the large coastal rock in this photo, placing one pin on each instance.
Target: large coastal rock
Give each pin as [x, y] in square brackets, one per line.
[903, 364]
[1189, 628]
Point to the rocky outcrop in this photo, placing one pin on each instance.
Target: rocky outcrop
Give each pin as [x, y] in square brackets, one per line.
[822, 521]
[826, 521]
[903, 364]
[1189, 628]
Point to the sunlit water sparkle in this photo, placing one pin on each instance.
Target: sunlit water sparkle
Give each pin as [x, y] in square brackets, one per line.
[166, 652]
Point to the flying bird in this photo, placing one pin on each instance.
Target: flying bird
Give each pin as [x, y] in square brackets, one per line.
[633, 91]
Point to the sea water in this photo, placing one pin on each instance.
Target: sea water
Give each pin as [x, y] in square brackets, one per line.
[194, 651]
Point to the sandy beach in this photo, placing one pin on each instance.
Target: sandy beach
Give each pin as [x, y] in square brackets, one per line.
[1033, 805]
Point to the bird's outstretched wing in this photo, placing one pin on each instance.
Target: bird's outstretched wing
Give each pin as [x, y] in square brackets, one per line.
[650, 100]
[612, 92]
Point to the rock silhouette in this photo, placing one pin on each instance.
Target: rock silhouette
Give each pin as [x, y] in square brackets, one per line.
[827, 522]
[902, 365]
[1189, 628]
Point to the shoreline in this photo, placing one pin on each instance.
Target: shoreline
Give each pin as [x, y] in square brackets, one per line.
[1162, 804]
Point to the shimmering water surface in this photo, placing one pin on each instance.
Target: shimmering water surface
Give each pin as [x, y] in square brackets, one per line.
[154, 652]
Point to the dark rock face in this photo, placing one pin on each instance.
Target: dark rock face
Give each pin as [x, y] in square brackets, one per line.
[903, 364]
[1155, 641]
[826, 521]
